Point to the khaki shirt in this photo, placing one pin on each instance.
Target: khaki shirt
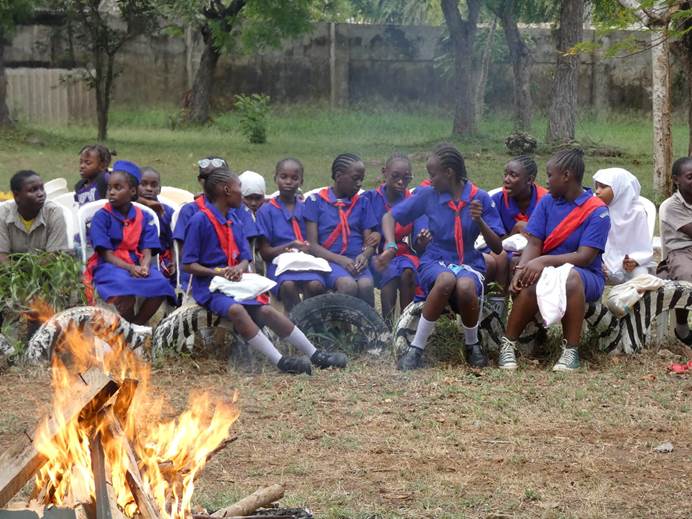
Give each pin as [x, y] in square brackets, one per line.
[674, 214]
[48, 231]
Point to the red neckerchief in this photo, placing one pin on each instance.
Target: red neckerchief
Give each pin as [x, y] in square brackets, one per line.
[458, 232]
[425, 183]
[343, 227]
[520, 216]
[132, 232]
[570, 223]
[224, 233]
[294, 221]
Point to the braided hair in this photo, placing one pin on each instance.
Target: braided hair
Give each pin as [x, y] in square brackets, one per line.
[450, 157]
[397, 155]
[343, 162]
[215, 177]
[104, 154]
[286, 160]
[528, 164]
[569, 159]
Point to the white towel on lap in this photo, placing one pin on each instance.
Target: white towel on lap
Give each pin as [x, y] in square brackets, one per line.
[249, 287]
[515, 243]
[298, 262]
[551, 293]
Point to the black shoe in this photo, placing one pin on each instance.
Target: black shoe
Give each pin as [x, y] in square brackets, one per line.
[410, 360]
[475, 356]
[295, 365]
[687, 340]
[329, 359]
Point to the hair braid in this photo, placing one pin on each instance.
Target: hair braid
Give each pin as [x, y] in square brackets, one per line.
[215, 177]
[569, 159]
[450, 157]
[397, 155]
[105, 155]
[343, 162]
[528, 164]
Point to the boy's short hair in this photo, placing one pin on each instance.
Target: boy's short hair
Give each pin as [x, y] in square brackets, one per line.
[18, 179]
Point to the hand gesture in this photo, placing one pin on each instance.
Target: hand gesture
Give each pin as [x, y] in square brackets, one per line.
[348, 264]
[298, 245]
[381, 262]
[373, 240]
[139, 271]
[233, 273]
[476, 209]
[531, 272]
[423, 239]
[360, 263]
[518, 228]
[628, 264]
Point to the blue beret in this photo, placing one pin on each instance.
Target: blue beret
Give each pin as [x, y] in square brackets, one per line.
[125, 166]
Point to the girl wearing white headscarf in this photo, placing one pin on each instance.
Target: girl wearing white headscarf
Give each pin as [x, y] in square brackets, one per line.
[628, 250]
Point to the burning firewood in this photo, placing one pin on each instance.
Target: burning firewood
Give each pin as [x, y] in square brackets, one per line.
[258, 499]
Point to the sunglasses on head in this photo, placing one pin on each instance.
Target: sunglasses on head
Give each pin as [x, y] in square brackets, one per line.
[215, 163]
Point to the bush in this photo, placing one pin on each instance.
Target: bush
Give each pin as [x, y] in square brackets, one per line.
[253, 110]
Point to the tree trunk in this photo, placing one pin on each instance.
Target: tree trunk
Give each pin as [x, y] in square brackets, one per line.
[660, 98]
[462, 34]
[563, 107]
[200, 102]
[483, 74]
[101, 66]
[4, 111]
[521, 67]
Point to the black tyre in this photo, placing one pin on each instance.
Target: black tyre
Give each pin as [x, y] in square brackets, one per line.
[341, 322]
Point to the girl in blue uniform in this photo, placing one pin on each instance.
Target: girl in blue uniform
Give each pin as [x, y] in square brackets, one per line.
[569, 225]
[451, 270]
[94, 160]
[215, 246]
[340, 227]
[400, 274]
[148, 192]
[515, 202]
[125, 238]
[281, 225]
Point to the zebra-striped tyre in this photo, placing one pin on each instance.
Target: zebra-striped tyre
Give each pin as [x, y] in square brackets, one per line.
[103, 323]
[490, 328]
[176, 334]
[340, 322]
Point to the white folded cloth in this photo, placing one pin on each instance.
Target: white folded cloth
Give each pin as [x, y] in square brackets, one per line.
[249, 287]
[551, 293]
[515, 243]
[622, 297]
[299, 261]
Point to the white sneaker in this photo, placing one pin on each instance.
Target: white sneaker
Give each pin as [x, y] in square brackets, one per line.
[568, 361]
[507, 358]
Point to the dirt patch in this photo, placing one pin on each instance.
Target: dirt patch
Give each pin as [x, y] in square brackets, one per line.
[444, 442]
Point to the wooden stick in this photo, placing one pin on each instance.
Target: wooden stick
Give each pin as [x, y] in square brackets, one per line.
[246, 506]
[106, 507]
[18, 464]
[166, 467]
[124, 398]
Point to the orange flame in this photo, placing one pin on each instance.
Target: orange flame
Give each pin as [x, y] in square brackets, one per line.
[170, 454]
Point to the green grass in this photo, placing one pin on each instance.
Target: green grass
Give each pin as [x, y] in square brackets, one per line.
[316, 135]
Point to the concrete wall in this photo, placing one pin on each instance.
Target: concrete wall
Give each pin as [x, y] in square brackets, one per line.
[345, 63]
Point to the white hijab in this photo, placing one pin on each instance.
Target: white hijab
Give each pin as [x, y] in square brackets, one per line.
[252, 183]
[629, 228]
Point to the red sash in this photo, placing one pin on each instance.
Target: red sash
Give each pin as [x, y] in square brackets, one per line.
[132, 231]
[342, 228]
[425, 183]
[224, 233]
[458, 232]
[294, 221]
[570, 223]
[523, 217]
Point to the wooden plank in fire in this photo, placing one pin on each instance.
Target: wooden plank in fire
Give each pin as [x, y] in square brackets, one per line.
[19, 463]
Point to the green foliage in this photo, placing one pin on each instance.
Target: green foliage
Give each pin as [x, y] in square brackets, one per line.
[253, 110]
[400, 12]
[55, 278]
[11, 13]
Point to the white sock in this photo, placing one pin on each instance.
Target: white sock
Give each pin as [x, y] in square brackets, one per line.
[300, 341]
[261, 343]
[682, 330]
[424, 330]
[470, 335]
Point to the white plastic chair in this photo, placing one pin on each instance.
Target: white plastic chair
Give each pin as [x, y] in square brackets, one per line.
[495, 190]
[175, 204]
[55, 186]
[70, 224]
[86, 213]
[66, 200]
[177, 195]
[176, 248]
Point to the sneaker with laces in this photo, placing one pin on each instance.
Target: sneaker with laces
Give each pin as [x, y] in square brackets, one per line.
[328, 359]
[295, 365]
[475, 356]
[411, 360]
[569, 360]
[507, 358]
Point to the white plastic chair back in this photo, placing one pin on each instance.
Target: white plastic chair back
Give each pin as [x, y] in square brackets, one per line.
[495, 190]
[177, 195]
[66, 200]
[51, 195]
[650, 214]
[175, 204]
[55, 185]
[86, 213]
[70, 218]
[176, 248]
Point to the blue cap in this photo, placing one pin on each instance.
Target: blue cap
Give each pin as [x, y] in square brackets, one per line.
[125, 166]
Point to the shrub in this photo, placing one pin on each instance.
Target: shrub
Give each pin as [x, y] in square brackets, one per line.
[253, 110]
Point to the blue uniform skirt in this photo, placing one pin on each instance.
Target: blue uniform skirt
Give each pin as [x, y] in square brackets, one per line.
[429, 271]
[340, 272]
[593, 284]
[111, 281]
[297, 276]
[394, 270]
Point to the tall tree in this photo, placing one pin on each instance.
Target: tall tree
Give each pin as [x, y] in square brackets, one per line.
[462, 33]
[101, 28]
[562, 117]
[225, 25]
[11, 12]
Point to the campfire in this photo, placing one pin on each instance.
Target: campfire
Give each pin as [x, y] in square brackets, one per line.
[105, 450]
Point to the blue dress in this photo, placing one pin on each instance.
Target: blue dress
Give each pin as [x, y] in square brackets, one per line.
[274, 224]
[202, 246]
[441, 252]
[326, 215]
[110, 281]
